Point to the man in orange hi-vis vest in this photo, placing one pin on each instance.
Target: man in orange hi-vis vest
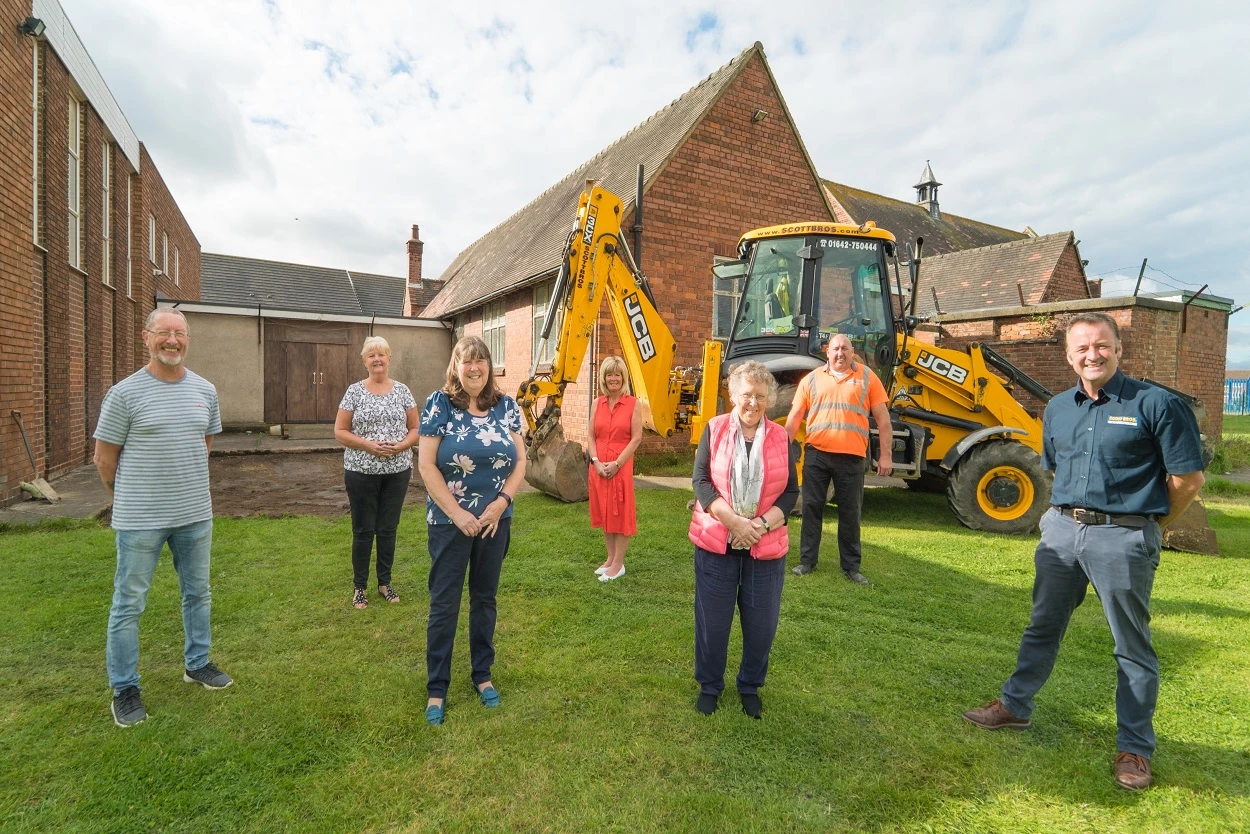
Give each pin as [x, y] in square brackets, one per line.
[836, 400]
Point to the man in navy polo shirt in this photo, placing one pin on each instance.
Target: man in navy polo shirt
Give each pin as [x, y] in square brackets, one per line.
[1127, 460]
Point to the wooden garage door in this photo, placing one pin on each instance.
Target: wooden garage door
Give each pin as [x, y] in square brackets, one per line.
[308, 366]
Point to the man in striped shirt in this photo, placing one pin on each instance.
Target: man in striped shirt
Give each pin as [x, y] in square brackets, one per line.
[152, 442]
[836, 400]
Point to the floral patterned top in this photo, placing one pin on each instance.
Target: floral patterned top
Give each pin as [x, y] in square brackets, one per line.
[378, 417]
[475, 454]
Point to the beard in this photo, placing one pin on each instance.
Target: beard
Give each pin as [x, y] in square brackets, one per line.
[165, 359]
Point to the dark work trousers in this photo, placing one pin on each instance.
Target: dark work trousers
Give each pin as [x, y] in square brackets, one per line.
[451, 553]
[754, 586]
[376, 502]
[1120, 563]
[846, 472]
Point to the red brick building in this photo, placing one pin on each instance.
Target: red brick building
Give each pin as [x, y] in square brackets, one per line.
[89, 235]
[723, 158]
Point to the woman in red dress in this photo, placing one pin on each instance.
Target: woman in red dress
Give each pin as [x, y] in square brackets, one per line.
[615, 433]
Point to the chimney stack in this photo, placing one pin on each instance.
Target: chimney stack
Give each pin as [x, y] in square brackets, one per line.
[415, 247]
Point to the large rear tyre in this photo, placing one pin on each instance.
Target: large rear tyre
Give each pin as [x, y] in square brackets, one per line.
[999, 486]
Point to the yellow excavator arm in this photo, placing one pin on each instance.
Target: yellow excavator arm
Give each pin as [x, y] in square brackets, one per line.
[596, 264]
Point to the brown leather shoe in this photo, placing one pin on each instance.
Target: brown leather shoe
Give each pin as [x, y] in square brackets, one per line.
[1132, 772]
[995, 716]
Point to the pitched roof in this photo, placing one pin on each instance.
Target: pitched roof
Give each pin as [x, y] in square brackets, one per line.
[908, 221]
[975, 279]
[229, 279]
[529, 244]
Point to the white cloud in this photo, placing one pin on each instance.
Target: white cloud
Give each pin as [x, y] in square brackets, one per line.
[1121, 121]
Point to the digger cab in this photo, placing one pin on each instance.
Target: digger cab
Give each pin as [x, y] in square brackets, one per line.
[799, 284]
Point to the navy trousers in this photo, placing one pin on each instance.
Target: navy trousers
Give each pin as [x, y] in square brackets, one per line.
[452, 554]
[722, 582]
[846, 473]
[1120, 563]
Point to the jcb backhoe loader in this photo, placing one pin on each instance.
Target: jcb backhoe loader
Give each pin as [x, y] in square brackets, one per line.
[596, 263]
[957, 425]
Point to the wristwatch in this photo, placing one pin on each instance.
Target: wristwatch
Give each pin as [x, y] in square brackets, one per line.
[767, 527]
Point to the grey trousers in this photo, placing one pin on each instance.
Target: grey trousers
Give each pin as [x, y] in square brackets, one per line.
[1120, 563]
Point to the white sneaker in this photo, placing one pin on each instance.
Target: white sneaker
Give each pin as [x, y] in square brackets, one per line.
[603, 577]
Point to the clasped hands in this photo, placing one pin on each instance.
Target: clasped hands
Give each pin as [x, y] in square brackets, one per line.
[745, 532]
[384, 448]
[487, 524]
[606, 469]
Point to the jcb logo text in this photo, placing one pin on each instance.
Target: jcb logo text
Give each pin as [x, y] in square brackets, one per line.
[941, 367]
[638, 323]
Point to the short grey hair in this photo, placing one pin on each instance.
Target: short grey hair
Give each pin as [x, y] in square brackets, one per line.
[752, 371]
[1095, 319]
[151, 319]
[376, 343]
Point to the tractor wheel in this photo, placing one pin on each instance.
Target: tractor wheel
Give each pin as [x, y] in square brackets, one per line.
[999, 486]
[929, 482]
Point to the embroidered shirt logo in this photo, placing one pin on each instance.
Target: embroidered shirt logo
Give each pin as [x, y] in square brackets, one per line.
[1114, 420]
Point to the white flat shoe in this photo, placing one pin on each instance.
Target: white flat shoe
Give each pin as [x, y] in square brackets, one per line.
[603, 577]
[600, 571]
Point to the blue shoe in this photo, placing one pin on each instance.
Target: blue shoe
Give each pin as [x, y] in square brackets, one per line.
[434, 715]
[489, 696]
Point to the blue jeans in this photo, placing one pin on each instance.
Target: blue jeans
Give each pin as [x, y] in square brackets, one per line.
[1120, 563]
[137, 554]
[721, 583]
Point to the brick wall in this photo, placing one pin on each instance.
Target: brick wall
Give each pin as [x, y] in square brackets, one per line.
[1152, 338]
[731, 175]
[21, 357]
[1067, 281]
[67, 335]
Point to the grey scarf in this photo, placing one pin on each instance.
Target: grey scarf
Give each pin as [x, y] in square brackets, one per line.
[746, 475]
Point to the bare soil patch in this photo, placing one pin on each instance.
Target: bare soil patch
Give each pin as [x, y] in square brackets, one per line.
[284, 484]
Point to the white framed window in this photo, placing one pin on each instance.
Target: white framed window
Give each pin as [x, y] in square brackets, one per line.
[176, 266]
[74, 184]
[130, 181]
[152, 239]
[165, 252]
[106, 213]
[542, 300]
[493, 330]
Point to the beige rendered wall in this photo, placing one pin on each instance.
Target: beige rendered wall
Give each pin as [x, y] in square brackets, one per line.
[228, 351]
[419, 356]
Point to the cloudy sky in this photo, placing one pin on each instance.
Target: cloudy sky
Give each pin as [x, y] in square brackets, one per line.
[319, 131]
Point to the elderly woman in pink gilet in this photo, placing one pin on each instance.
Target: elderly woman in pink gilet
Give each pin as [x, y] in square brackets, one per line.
[745, 485]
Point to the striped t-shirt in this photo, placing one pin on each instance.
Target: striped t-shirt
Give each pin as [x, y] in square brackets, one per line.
[162, 475]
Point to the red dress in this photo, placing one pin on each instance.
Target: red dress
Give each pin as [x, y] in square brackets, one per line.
[612, 499]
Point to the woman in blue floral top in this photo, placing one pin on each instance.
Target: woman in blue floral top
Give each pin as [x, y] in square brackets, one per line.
[472, 460]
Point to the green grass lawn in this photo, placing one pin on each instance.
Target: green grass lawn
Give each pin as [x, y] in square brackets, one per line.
[323, 731]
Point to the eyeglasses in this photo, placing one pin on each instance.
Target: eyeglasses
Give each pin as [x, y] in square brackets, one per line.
[165, 334]
[753, 398]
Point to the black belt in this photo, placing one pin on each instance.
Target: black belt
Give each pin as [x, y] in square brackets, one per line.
[1084, 516]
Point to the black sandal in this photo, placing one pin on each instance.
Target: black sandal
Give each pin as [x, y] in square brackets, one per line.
[388, 593]
[359, 600]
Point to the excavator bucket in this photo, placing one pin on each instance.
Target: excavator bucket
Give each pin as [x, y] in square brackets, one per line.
[558, 467]
[1191, 532]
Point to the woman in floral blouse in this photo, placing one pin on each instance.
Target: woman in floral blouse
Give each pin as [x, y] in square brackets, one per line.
[472, 461]
[377, 422]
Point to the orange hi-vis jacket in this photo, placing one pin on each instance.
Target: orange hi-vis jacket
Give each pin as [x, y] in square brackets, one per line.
[838, 412]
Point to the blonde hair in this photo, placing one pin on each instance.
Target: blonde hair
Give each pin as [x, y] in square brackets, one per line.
[470, 348]
[375, 342]
[609, 365]
[752, 371]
